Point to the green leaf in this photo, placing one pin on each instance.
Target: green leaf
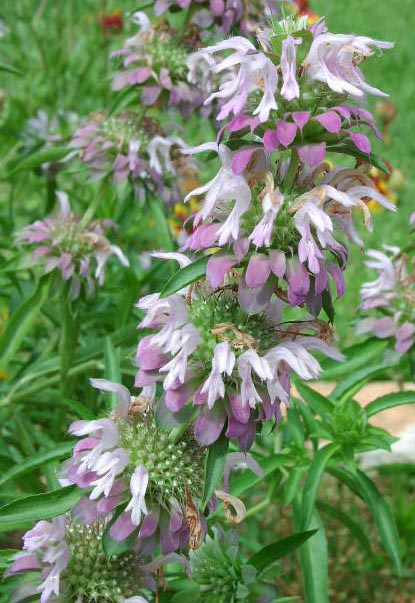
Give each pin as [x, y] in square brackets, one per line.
[312, 484]
[10, 69]
[36, 461]
[354, 382]
[389, 401]
[356, 356]
[17, 514]
[313, 561]
[35, 160]
[112, 369]
[123, 99]
[214, 467]
[272, 552]
[158, 211]
[82, 411]
[350, 149]
[185, 276]
[21, 321]
[6, 557]
[319, 404]
[383, 517]
[351, 525]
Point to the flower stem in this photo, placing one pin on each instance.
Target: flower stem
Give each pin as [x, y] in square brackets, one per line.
[68, 340]
[291, 172]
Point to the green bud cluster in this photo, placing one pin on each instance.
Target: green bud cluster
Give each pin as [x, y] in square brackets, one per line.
[174, 467]
[91, 576]
[167, 53]
[218, 569]
[123, 128]
[211, 310]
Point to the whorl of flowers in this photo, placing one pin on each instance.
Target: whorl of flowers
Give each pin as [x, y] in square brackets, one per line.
[233, 368]
[388, 301]
[223, 576]
[224, 15]
[79, 251]
[129, 145]
[65, 562]
[275, 208]
[133, 468]
[160, 60]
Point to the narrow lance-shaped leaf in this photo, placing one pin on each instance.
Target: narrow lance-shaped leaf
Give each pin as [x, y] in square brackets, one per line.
[23, 511]
[214, 467]
[313, 559]
[312, 484]
[383, 517]
[185, 276]
[272, 552]
[37, 460]
[351, 384]
[112, 369]
[36, 160]
[389, 401]
[21, 321]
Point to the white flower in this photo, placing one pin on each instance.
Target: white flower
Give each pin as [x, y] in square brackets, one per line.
[138, 487]
[223, 362]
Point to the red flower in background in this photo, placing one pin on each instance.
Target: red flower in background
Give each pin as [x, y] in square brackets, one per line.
[303, 7]
[111, 23]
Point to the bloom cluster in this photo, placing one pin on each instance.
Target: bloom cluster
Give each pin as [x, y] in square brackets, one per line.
[133, 468]
[224, 15]
[160, 60]
[276, 215]
[129, 145]
[75, 249]
[234, 368]
[65, 561]
[388, 301]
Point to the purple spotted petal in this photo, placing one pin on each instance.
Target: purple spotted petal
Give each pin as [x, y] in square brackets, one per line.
[312, 154]
[122, 527]
[404, 338]
[217, 267]
[361, 142]
[254, 301]
[150, 94]
[277, 262]
[148, 356]
[271, 141]
[330, 121]
[286, 132]
[209, 425]
[258, 271]
[338, 277]
[241, 160]
[139, 76]
[27, 563]
[300, 118]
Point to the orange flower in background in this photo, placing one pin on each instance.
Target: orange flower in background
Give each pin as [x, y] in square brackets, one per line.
[111, 23]
[303, 7]
[387, 184]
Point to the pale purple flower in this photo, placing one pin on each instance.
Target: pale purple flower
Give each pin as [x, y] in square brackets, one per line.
[253, 71]
[290, 88]
[333, 59]
[65, 243]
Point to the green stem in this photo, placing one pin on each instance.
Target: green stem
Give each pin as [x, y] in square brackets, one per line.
[258, 508]
[90, 212]
[158, 211]
[68, 340]
[292, 171]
